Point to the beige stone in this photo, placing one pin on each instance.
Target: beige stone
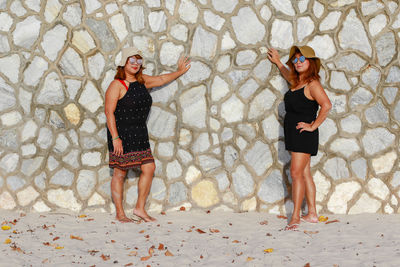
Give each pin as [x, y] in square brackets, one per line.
[365, 204]
[205, 194]
[83, 41]
[322, 185]
[378, 188]
[341, 196]
[192, 174]
[384, 163]
[249, 204]
[64, 199]
[229, 198]
[155, 208]
[27, 195]
[388, 209]
[96, 199]
[223, 208]
[6, 201]
[393, 200]
[73, 114]
[40, 206]
[184, 137]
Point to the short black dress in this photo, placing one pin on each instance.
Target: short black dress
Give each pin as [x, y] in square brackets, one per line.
[300, 109]
[131, 114]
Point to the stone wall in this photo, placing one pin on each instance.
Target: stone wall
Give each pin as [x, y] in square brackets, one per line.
[216, 132]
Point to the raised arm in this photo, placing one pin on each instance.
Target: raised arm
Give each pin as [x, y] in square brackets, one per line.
[273, 56]
[160, 80]
[112, 96]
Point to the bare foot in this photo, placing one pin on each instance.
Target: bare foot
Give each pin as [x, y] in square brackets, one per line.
[293, 225]
[123, 219]
[143, 215]
[310, 218]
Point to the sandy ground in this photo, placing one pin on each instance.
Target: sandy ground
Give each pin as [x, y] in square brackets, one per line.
[197, 238]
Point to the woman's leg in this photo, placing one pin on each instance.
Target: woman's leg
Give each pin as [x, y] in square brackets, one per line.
[298, 164]
[144, 186]
[310, 195]
[117, 191]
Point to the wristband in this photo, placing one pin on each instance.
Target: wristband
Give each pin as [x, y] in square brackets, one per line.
[115, 138]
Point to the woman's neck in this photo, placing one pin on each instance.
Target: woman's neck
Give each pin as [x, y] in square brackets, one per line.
[129, 77]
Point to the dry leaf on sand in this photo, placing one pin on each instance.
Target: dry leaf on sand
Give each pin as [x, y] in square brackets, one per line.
[7, 241]
[200, 231]
[281, 217]
[145, 258]
[105, 257]
[167, 253]
[160, 246]
[5, 227]
[76, 237]
[268, 250]
[133, 253]
[214, 230]
[264, 222]
[322, 218]
[182, 208]
[333, 221]
[249, 259]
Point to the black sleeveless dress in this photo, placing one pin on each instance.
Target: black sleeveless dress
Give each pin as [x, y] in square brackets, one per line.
[131, 114]
[300, 109]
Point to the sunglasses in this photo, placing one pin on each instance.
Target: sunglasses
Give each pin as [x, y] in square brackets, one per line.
[301, 59]
[133, 60]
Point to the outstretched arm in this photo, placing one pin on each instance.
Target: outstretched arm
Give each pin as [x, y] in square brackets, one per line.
[273, 56]
[156, 81]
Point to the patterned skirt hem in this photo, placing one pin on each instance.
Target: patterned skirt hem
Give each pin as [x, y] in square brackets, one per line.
[130, 160]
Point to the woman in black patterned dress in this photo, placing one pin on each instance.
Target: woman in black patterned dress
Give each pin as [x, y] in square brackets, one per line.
[301, 124]
[127, 105]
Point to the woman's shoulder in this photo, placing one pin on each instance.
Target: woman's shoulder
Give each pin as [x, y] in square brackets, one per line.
[314, 84]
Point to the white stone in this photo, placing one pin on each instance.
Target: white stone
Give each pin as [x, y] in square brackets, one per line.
[351, 124]
[371, 77]
[331, 21]
[52, 10]
[386, 48]
[388, 209]
[144, 44]
[9, 162]
[271, 127]
[376, 24]
[341, 196]
[179, 32]
[188, 11]
[245, 57]
[248, 88]
[224, 6]
[281, 34]
[227, 42]
[26, 196]
[339, 81]
[35, 71]
[394, 75]
[52, 163]
[339, 102]
[243, 183]
[353, 35]
[340, 3]
[213, 21]
[170, 5]
[136, 17]
[302, 4]
[204, 44]
[174, 170]
[201, 144]
[384, 163]
[157, 21]
[96, 65]
[166, 149]
[369, 7]
[91, 98]
[376, 140]
[6, 201]
[9, 66]
[345, 146]
[29, 130]
[318, 9]
[262, 70]
[378, 188]
[17, 8]
[248, 29]
[219, 88]
[259, 157]
[95, 200]
[322, 186]
[85, 183]
[40, 206]
[28, 150]
[193, 174]
[111, 8]
[323, 46]
[351, 62]
[361, 97]
[73, 14]
[118, 24]
[365, 204]
[51, 92]
[194, 106]
[83, 41]
[265, 13]
[232, 110]
[283, 6]
[336, 168]
[6, 22]
[223, 63]
[393, 200]
[92, 5]
[170, 53]
[161, 123]
[71, 63]
[305, 26]
[261, 103]
[63, 199]
[11, 118]
[26, 32]
[4, 45]
[91, 158]
[45, 137]
[198, 72]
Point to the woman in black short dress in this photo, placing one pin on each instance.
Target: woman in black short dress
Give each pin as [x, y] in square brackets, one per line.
[301, 124]
[127, 105]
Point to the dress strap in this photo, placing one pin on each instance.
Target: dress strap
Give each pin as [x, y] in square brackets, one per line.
[124, 84]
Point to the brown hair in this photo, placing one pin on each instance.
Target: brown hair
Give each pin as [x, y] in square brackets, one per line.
[120, 75]
[310, 75]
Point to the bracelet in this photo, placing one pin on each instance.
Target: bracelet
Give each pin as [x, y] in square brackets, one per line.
[115, 138]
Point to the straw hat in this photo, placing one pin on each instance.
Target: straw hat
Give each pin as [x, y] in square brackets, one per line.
[307, 52]
[128, 52]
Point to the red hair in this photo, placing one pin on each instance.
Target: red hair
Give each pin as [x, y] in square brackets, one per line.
[310, 75]
[120, 75]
